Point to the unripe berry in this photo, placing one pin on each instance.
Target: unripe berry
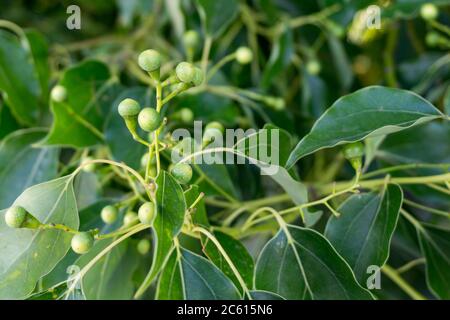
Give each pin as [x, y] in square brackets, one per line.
[432, 39]
[185, 72]
[429, 11]
[15, 217]
[59, 93]
[244, 55]
[109, 214]
[149, 119]
[198, 77]
[186, 115]
[191, 39]
[212, 130]
[82, 242]
[144, 160]
[88, 167]
[130, 218]
[147, 213]
[150, 60]
[354, 150]
[143, 246]
[215, 125]
[129, 108]
[313, 67]
[182, 172]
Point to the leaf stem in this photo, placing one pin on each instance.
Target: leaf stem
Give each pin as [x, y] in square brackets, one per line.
[399, 281]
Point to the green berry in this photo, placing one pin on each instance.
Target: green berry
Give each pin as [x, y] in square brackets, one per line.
[185, 72]
[354, 150]
[149, 119]
[432, 39]
[109, 214]
[147, 213]
[198, 77]
[186, 115]
[59, 93]
[191, 39]
[215, 125]
[129, 108]
[130, 218]
[15, 217]
[313, 67]
[244, 55]
[82, 242]
[143, 246]
[429, 11]
[150, 60]
[144, 160]
[182, 172]
[88, 167]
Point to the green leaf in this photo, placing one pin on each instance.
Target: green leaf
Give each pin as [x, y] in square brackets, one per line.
[78, 121]
[188, 276]
[27, 255]
[18, 79]
[123, 147]
[341, 61]
[111, 277]
[299, 263]
[362, 235]
[265, 295]
[22, 165]
[435, 246]
[217, 15]
[39, 51]
[238, 254]
[368, 112]
[171, 208]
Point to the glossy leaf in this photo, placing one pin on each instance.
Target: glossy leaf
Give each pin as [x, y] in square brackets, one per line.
[22, 165]
[363, 233]
[435, 245]
[39, 52]
[300, 264]
[265, 295]
[19, 82]
[50, 202]
[217, 15]
[368, 112]
[238, 254]
[191, 277]
[78, 120]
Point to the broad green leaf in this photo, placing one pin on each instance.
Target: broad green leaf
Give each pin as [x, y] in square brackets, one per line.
[371, 111]
[238, 254]
[188, 276]
[435, 246]
[87, 189]
[22, 165]
[39, 51]
[217, 15]
[341, 61]
[111, 277]
[362, 235]
[199, 216]
[216, 180]
[265, 295]
[171, 208]
[78, 120]
[279, 58]
[123, 147]
[299, 263]
[27, 255]
[8, 123]
[19, 82]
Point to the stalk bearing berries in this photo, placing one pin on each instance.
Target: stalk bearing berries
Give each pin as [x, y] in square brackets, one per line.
[147, 213]
[149, 119]
[182, 172]
[244, 55]
[17, 217]
[109, 214]
[82, 242]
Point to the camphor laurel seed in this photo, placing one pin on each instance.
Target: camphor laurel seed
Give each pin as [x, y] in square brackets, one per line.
[212, 130]
[353, 153]
[143, 246]
[244, 55]
[82, 242]
[313, 67]
[150, 60]
[130, 218]
[429, 11]
[182, 172]
[147, 213]
[109, 214]
[59, 93]
[88, 167]
[198, 77]
[191, 39]
[144, 160]
[129, 108]
[17, 217]
[185, 72]
[149, 119]
[186, 115]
